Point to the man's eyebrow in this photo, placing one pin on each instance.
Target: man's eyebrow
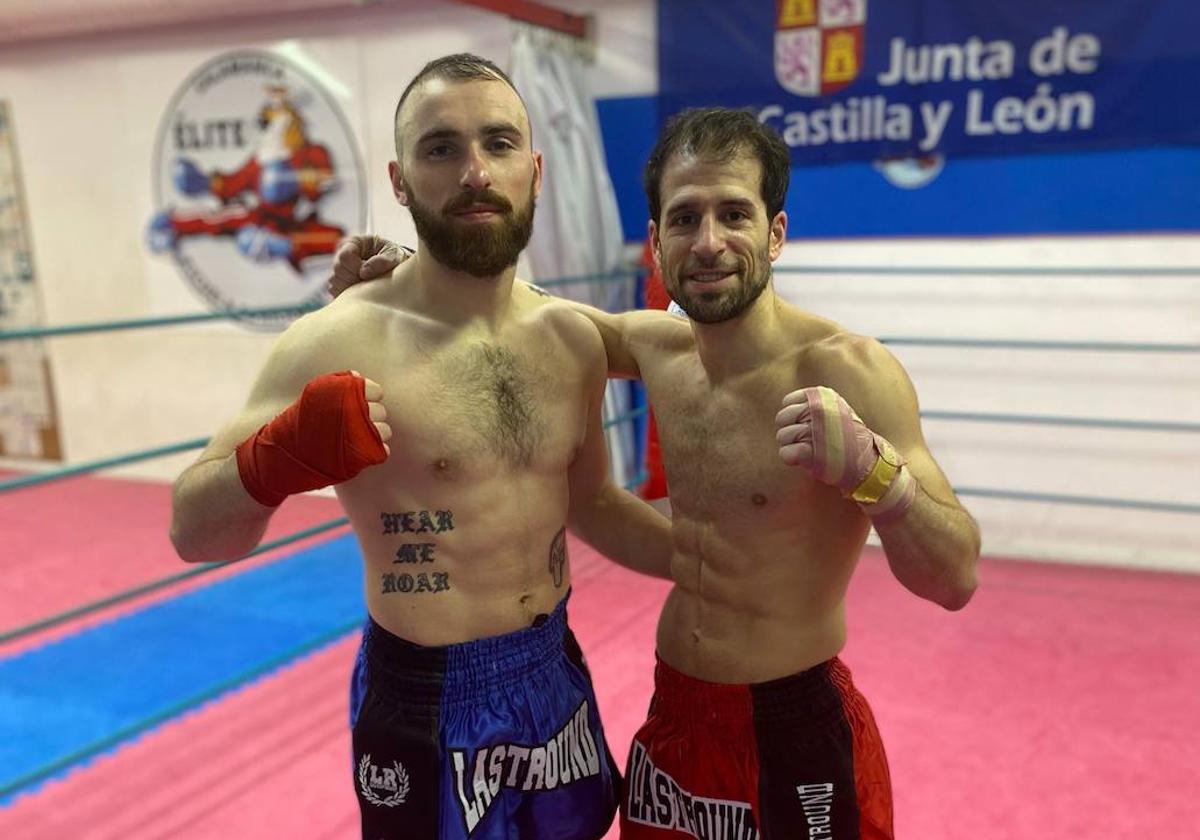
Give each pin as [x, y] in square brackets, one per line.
[488, 130]
[438, 134]
[689, 202]
[501, 128]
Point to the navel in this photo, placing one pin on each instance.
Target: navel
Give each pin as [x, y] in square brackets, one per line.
[758, 500]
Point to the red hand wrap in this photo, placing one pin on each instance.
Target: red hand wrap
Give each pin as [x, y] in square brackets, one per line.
[325, 437]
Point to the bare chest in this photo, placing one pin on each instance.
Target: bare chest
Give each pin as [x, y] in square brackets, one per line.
[482, 408]
[719, 447]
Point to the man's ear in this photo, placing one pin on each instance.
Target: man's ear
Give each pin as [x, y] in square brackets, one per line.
[778, 235]
[655, 243]
[396, 176]
[537, 175]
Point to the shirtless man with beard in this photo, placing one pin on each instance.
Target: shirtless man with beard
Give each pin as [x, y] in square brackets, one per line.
[457, 414]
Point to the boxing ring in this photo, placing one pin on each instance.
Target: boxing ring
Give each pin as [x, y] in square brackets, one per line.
[141, 700]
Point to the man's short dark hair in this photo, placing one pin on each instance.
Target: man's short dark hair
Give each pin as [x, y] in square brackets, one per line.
[460, 67]
[720, 134]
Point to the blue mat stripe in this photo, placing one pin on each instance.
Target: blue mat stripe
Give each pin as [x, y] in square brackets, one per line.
[65, 702]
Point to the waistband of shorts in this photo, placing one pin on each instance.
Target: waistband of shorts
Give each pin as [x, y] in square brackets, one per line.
[463, 672]
[810, 695]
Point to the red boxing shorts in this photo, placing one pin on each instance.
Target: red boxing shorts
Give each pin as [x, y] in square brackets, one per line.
[797, 757]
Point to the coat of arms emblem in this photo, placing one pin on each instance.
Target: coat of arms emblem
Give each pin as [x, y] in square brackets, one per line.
[819, 44]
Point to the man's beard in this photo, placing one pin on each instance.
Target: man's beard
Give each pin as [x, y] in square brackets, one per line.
[716, 306]
[482, 250]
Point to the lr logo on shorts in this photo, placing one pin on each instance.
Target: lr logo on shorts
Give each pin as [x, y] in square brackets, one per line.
[391, 781]
[256, 178]
[819, 45]
[570, 755]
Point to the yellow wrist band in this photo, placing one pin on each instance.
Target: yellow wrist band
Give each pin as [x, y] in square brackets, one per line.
[880, 478]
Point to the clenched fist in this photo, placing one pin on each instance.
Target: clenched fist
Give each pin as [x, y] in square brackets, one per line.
[820, 432]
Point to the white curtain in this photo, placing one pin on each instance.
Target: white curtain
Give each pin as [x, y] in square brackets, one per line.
[577, 232]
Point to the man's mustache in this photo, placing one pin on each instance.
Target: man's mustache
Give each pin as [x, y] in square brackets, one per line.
[467, 200]
[693, 267]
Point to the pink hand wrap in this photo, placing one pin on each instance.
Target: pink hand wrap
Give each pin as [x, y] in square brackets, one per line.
[841, 451]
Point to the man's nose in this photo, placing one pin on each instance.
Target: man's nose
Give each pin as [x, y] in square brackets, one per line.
[709, 241]
[476, 176]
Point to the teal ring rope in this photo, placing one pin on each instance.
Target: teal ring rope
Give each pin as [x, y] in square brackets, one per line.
[1086, 501]
[626, 417]
[233, 314]
[991, 270]
[93, 466]
[1039, 344]
[1049, 420]
[914, 341]
[965, 416]
[184, 446]
[142, 323]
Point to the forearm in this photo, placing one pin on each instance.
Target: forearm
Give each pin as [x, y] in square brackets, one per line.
[933, 549]
[213, 518]
[626, 530]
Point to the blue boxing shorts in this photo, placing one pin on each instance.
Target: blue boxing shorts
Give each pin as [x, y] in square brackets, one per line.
[494, 739]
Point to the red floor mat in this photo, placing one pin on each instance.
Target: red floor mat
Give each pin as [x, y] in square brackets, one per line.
[1058, 704]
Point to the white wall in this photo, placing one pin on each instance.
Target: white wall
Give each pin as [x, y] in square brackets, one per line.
[1124, 464]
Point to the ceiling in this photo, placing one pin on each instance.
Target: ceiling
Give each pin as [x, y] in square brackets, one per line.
[23, 21]
[29, 21]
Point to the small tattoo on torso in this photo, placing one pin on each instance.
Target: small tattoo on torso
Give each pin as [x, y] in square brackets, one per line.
[558, 556]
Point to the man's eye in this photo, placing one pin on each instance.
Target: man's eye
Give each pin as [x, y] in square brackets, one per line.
[683, 220]
[440, 151]
[501, 144]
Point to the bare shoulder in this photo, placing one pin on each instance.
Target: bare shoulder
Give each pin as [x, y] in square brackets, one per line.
[862, 370]
[572, 327]
[826, 348]
[657, 327]
[329, 326]
[339, 336]
[381, 305]
[838, 349]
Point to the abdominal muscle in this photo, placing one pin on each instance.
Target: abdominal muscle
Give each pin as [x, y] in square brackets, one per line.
[755, 606]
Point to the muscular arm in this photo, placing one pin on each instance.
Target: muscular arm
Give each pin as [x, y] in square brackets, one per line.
[933, 548]
[213, 516]
[612, 520]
